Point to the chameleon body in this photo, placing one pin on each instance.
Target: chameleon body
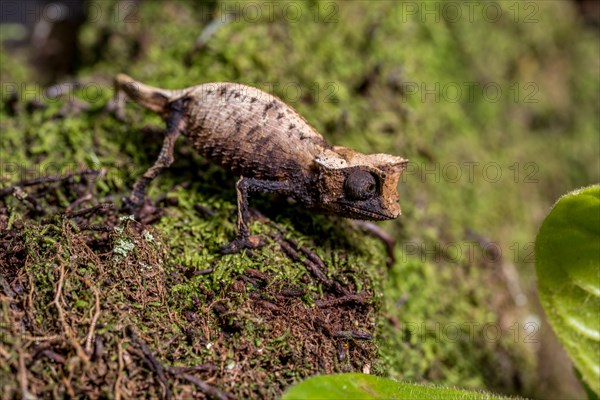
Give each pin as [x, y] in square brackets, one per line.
[272, 148]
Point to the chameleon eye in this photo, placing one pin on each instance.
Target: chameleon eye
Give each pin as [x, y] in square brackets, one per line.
[360, 185]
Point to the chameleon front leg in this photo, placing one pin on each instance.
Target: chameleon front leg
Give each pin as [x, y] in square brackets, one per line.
[244, 186]
[175, 124]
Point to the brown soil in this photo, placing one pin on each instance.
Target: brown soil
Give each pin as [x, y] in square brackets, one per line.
[81, 316]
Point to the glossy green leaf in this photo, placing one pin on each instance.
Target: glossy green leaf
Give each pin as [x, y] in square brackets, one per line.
[363, 386]
[568, 271]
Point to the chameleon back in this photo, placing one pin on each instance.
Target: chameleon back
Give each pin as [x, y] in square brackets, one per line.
[250, 132]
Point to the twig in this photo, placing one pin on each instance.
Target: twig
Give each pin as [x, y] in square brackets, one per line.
[101, 208]
[205, 271]
[312, 266]
[207, 389]
[83, 199]
[4, 354]
[48, 338]
[293, 292]
[152, 217]
[28, 200]
[57, 358]
[257, 274]
[152, 362]
[184, 370]
[341, 352]
[351, 298]
[61, 317]
[23, 376]
[48, 179]
[30, 306]
[313, 262]
[98, 228]
[4, 285]
[91, 332]
[267, 305]
[204, 210]
[70, 391]
[352, 335]
[293, 254]
[312, 256]
[163, 197]
[119, 371]
[382, 235]
[321, 324]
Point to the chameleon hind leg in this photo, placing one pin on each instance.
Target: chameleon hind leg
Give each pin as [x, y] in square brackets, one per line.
[175, 125]
[244, 187]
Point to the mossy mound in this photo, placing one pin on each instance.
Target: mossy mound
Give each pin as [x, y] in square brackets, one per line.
[101, 305]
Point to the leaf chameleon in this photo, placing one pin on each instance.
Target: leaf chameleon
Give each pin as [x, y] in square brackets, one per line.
[272, 148]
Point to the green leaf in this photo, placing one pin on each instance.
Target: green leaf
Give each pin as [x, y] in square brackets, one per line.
[568, 270]
[363, 386]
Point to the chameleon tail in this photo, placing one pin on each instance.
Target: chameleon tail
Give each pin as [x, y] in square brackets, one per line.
[152, 98]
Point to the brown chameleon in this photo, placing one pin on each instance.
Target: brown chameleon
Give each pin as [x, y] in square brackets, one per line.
[272, 148]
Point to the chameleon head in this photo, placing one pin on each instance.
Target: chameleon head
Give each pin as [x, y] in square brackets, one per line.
[359, 186]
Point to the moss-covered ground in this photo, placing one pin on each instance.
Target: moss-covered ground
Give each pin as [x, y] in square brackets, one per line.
[498, 115]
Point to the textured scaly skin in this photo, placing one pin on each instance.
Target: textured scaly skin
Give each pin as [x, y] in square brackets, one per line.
[273, 148]
[250, 132]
